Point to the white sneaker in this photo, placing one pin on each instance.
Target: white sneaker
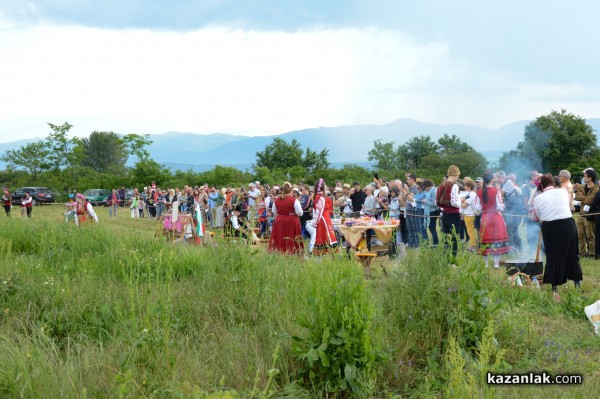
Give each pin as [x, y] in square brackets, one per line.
[496, 266]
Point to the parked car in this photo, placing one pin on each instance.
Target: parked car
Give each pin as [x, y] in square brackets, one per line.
[128, 196]
[96, 196]
[40, 195]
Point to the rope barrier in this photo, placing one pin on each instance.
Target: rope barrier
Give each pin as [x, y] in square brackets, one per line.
[575, 215]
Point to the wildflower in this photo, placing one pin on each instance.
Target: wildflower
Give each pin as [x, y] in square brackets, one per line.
[145, 331]
[4, 282]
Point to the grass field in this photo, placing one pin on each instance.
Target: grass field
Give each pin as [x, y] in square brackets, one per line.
[112, 311]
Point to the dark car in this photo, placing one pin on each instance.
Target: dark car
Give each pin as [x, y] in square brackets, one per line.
[40, 195]
[128, 196]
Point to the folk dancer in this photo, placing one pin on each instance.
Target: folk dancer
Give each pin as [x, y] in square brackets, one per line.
[85, 210]
[6, 204]
[26, 205]
[71, 213]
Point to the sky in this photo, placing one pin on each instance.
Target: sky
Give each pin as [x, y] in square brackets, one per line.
[262, 67]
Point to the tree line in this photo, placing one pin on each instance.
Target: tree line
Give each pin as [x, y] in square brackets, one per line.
[559, 140]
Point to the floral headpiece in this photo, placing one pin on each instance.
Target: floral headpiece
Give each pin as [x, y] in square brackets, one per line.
[320, 185]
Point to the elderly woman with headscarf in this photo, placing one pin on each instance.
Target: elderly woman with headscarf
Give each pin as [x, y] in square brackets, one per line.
[552, 208]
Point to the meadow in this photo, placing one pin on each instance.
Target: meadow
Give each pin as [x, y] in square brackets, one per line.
[114, 311]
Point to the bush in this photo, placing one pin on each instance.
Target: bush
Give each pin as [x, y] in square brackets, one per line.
[337, 352]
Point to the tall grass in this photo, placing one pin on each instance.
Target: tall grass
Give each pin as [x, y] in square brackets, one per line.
[110, 310]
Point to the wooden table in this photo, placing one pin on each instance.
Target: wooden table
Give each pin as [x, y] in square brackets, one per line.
[353, 234]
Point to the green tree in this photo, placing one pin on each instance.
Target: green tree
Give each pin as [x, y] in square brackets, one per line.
[281, 160]
[33, 157]
[136, 145]
[559, 140]
[425, 157]
[452, 145]
[384, 155]
[62, 153]
[222, 176]
[348, 173]
[313, 160]
[414, 150]
[104, 152]
[148, 170]
[64, 150]
[280, 155]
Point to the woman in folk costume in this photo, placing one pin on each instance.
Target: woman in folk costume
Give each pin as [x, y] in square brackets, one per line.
[85, 210]
[199, 226]
[494, 236]
[323, 207]
[286, 236]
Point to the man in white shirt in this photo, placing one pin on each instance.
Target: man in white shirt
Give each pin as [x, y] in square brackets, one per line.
[253, 194]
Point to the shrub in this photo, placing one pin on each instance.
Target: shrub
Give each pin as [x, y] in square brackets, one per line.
[337, 352]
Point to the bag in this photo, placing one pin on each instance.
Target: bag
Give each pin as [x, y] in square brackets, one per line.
[593, 313]
[219, 201]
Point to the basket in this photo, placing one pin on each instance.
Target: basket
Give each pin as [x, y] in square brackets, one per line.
[512, 281]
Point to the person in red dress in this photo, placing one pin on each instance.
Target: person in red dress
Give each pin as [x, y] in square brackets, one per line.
[494, 236]
[323, 208]
[286, 236]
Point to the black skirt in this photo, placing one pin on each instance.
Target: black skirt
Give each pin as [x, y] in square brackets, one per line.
[562, 251]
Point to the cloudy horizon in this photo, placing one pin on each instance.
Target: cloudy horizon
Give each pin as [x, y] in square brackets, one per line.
[221, 66]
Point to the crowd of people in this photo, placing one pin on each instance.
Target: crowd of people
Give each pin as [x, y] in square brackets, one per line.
[485, 212]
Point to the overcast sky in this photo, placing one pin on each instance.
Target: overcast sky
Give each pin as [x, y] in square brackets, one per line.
[271, 66]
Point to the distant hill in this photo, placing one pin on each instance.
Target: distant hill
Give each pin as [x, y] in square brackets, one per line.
[346, 144]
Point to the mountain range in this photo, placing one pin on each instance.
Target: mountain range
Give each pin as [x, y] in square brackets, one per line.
[346, 144]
